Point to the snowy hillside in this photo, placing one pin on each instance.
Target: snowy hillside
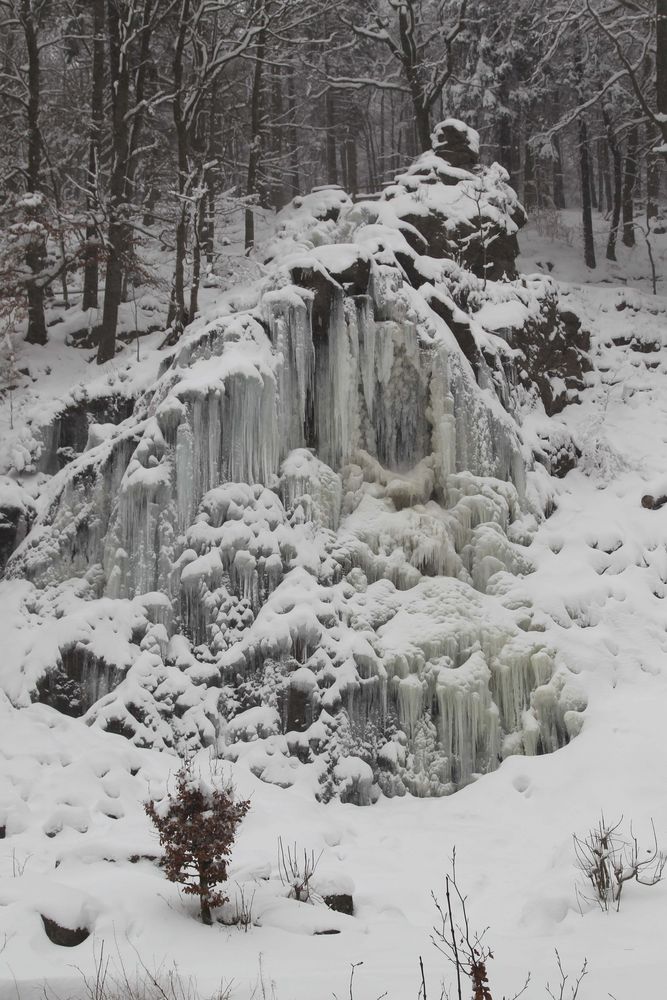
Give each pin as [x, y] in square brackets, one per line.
[374, 540]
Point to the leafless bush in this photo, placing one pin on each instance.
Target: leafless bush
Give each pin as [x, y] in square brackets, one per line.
[260, 990]
[113, 979]
[296, 870]
[19, 865]
[243, 916]
[562, 982]
[464, 948]
[608, 859]
[353, 967]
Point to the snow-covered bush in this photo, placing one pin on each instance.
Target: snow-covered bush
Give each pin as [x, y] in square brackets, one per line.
[608, 859]
[599, 458]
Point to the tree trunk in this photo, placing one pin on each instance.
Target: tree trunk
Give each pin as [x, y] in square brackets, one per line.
[152, 193]
[136, 127]
[330, 113]
[422, 123]
[381, 153]
[412, 69]
[277, 121]
[351, 161]
[371, 157]
[559, 187]
[118, 233]
[177, 316]
[661, 63]
[36, 320]
[92, 251]
[36, 253]
[629, 182]
[593, 189]
[529, 185]
[652, 185]
[606, 197]
[199, 230]
[618, 185]
[208, 237]
[329, 117]
[255, 150]
[292, 137]
[586, 202]
[204, 895]
[591, 174]
[210, 179]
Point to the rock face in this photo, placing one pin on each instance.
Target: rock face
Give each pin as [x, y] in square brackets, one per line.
[17, 513]
[456, 143]
[556, 356]
[448, 206]
[68, 434]
[301, 539]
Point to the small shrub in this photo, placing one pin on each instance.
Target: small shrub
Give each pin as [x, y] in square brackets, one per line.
[608, 859]
[243, 915]
[197, 827]
[296, 871]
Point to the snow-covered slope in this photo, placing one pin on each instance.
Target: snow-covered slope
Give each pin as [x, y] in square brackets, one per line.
[353, 594]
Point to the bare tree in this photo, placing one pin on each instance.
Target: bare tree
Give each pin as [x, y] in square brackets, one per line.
[419, 40]
[22, 88]
[92, 251]
[130, 25]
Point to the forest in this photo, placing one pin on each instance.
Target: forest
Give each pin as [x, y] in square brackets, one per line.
[333, 499]
[131, 126]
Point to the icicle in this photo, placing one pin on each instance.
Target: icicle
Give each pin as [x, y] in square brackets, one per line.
[467, 719]
[304, 479]
[367, 341]
[287, 313]
[442, 417]
[410, 703]
[186, 497]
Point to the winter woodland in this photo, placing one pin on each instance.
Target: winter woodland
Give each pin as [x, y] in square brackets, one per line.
[333, 499]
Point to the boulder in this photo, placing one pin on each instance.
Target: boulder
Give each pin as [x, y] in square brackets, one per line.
[66, 937]
[341, 902]
[457, 143]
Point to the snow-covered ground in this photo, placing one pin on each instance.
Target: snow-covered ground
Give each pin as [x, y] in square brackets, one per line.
[79, 849]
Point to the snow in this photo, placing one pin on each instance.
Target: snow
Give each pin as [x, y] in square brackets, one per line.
[403, 564]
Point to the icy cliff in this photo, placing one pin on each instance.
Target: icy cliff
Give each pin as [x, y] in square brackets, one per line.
[296, 548]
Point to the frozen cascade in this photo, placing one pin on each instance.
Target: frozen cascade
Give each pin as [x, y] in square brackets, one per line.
[322, 492]
[367, 339]
[308, 482]
[403, 434]
[69, 536]
[336, 396]
[467, 718]
[288, 315]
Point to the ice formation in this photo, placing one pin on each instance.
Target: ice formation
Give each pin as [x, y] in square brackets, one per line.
[296, 548]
